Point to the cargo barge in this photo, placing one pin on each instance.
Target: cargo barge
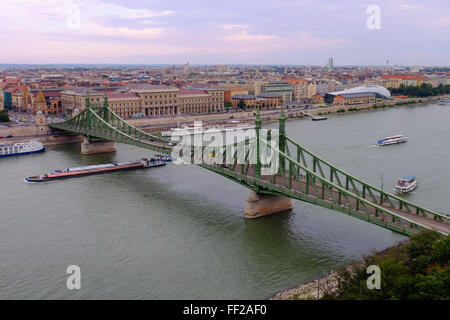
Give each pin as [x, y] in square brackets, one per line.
[96, 169]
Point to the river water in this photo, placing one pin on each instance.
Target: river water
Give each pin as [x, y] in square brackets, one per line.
[178, 232]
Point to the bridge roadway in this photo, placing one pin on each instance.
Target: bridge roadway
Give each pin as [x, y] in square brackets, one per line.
[92, 123]
[314, 198]
[427, 221]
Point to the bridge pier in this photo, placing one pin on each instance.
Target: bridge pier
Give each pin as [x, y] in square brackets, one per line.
[94, 147]
[258, 205]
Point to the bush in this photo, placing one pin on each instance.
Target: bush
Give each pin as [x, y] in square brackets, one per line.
[419, 269]
[4, 117]
[424, 90]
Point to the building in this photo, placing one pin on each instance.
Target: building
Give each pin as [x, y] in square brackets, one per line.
[254, 87]
[263, 100]
[321, 86]
[248, 99]
[148, 100]
[283, 88]
[193, 101]
[330, 64]
[311, 89]
[361, 94]
[7, 99]
[125, 104]
[318, 98]
[269, 99]
[75, 99]
[406, 79]
[354, 98]
[216, 95]
[156, 100]
[299, 88]
[48, 101]
[232, 91]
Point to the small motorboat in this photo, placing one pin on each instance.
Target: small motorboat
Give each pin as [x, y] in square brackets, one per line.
[318, 118]
[164, 158]
[406, 184]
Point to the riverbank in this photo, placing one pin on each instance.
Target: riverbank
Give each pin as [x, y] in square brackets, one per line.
[315, 289]
[156, 125]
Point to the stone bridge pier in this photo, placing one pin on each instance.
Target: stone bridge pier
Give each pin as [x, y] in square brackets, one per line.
[94, 147]
[258, 205]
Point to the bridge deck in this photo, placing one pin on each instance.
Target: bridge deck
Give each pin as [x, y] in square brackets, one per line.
[279, 181]
[102, 123]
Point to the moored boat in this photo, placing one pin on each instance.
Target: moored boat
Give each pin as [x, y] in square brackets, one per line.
[194, 130]
[406, 184]
[319, 118]
[96, 169]
[22, 148]
[392, 140]
[165, 158]
[444, 101]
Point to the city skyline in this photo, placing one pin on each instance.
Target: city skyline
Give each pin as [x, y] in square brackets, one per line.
[250, 33]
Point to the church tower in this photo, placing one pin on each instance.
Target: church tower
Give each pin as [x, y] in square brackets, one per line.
[41, 103]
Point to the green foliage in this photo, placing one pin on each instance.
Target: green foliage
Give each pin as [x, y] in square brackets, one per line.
[241, 104]
[228, 105]
[4, 117]
[419, 269]
[424, 90]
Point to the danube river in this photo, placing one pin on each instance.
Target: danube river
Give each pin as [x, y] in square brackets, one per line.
[177, 232]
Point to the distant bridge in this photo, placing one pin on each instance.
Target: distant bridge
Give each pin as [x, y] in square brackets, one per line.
[301, 174]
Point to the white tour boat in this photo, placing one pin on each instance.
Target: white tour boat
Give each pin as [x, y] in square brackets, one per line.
[406, 184]
[191, 130]
[18, 149]
[392, 140]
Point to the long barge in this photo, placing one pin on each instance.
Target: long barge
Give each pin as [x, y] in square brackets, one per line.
[96, 169]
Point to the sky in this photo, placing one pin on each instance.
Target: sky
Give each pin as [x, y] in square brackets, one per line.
[286, 32]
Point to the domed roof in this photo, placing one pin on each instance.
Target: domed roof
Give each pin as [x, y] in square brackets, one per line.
[378, 90]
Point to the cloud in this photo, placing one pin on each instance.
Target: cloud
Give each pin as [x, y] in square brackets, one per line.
[244, 36]
[124, 32]
[443, 22]
[409, 7]
[235, 27]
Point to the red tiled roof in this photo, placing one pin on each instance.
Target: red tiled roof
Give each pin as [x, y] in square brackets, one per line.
[403, 76]
[47, 94]
[120, 95]
[190, 92]
[237, 88]
[16, 80]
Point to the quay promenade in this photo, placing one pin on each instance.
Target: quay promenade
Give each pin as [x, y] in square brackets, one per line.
[44, 134]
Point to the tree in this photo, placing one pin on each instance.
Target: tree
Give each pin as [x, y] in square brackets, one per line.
[228, 105]
[417, 270]
[424, 90]
[4, 117]
[242, 105]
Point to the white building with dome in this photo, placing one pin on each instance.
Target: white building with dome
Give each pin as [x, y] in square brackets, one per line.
[357, 95]
[379, 91]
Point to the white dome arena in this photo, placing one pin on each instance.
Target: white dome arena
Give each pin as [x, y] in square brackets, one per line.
[378, 90]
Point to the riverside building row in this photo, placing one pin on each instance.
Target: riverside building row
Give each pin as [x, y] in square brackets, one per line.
[137, 100]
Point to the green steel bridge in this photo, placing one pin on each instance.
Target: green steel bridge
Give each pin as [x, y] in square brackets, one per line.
[300, 173]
